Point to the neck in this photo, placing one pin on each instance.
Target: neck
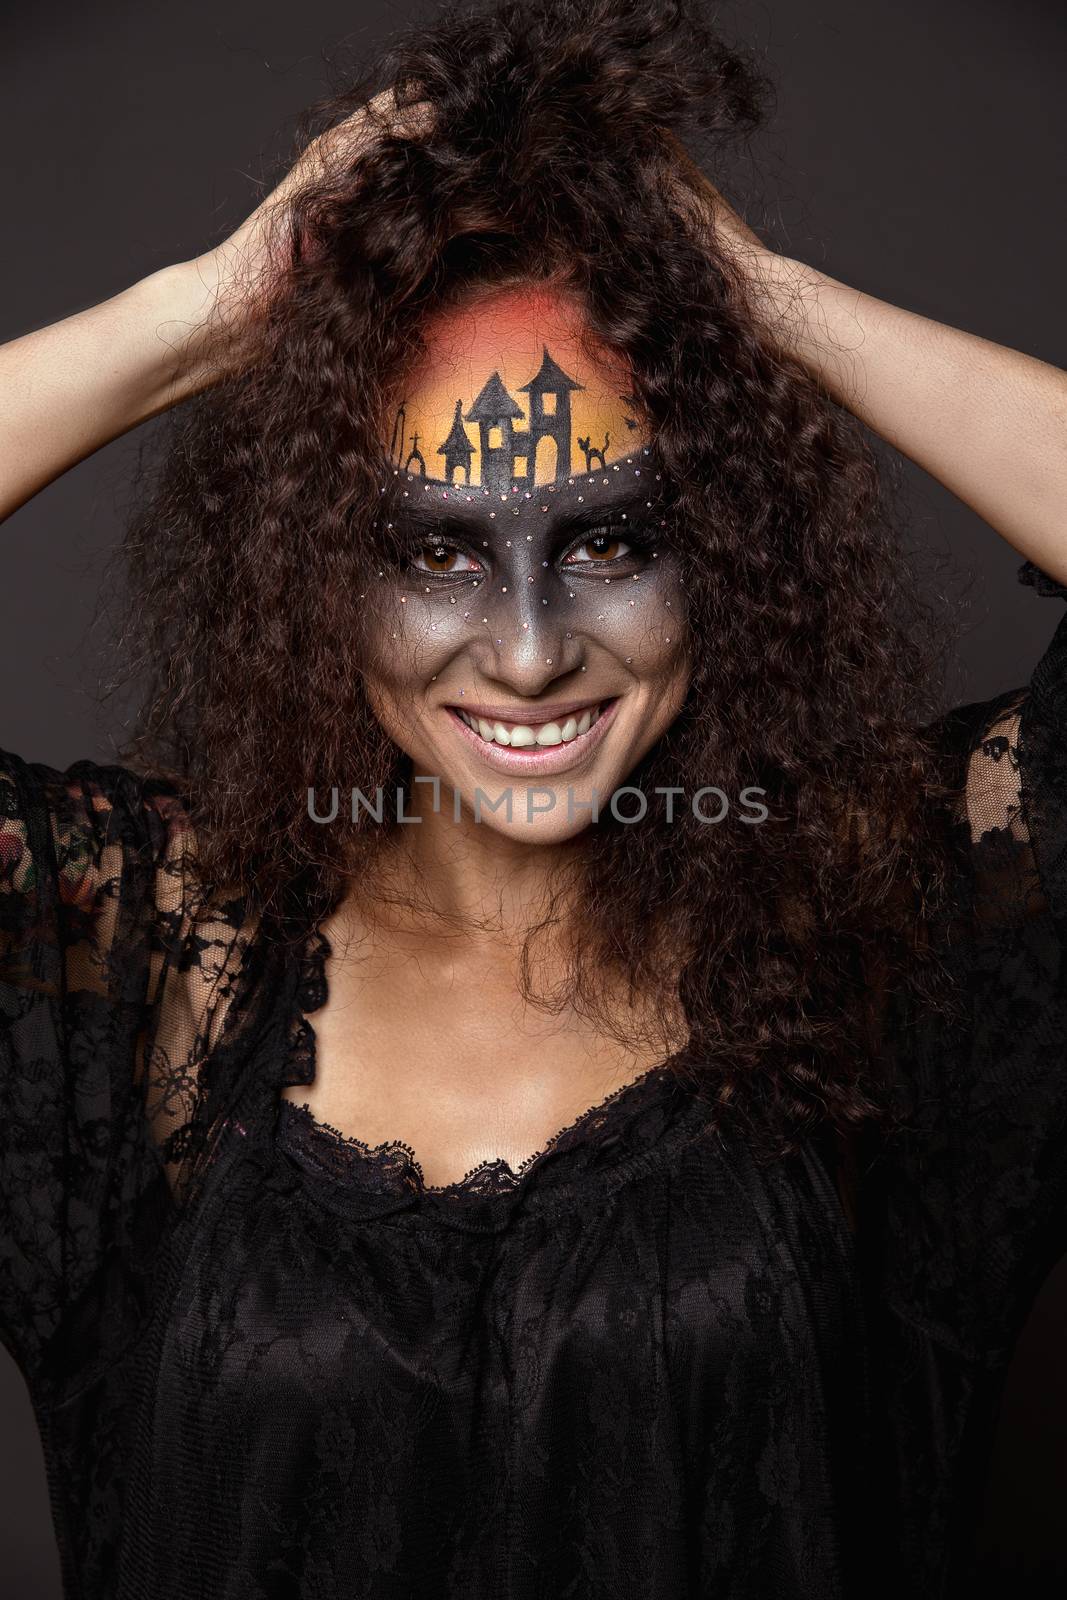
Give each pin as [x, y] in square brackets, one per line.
[464, 882]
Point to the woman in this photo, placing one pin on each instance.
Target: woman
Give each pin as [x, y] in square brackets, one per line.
[537, 1075]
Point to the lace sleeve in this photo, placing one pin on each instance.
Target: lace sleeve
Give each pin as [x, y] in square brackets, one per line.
[112, 979]
[978, 1183]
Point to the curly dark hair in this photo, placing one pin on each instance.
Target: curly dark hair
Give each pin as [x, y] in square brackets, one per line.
[542, 153]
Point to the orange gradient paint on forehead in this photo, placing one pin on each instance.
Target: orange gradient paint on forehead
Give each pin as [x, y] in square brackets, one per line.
[512, 394]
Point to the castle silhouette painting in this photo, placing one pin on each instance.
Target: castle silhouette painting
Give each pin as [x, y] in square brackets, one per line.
[500, 441]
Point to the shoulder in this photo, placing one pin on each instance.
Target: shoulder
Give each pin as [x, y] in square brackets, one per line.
[980, 742]
[89, 824]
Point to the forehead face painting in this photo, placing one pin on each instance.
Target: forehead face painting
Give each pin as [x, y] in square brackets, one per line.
[530, 648]
[508, 398]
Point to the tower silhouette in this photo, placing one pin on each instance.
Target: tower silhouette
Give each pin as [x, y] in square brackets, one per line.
[495, 412]
[550, 392]
[457, 448]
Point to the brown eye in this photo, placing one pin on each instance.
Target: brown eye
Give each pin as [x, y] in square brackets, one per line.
[443, 558]
[601, 547]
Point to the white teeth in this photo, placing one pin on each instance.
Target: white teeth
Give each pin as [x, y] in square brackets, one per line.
[521, 735]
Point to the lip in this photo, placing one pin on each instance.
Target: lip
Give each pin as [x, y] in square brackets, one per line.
[530, 760]
[555, 711]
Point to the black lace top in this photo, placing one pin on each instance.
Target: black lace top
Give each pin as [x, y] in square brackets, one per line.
[268, 1361]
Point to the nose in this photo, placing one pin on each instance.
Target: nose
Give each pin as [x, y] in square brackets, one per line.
[527, 641]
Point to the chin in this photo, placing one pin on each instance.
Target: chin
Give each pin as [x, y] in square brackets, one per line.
[544, 829]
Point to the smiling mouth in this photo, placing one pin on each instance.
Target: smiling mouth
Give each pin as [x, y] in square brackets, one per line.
[533, 735]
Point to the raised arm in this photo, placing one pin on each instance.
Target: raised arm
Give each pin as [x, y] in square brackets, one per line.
[70, 388]
[988, 422]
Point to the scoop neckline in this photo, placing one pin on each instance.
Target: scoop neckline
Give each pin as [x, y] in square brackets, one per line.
[606, 1142]
[397, 1157]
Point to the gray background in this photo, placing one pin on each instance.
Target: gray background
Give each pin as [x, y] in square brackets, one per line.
[917, 151]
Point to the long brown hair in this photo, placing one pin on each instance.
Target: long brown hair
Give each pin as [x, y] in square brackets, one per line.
[540, 152]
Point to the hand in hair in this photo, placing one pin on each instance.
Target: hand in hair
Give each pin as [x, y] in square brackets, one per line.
[701, 203]
[241, 270]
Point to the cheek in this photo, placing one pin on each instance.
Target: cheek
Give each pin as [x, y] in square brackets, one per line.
[410, 637]
[642, 619]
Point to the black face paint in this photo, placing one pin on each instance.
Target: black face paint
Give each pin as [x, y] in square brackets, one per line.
[545, 612]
